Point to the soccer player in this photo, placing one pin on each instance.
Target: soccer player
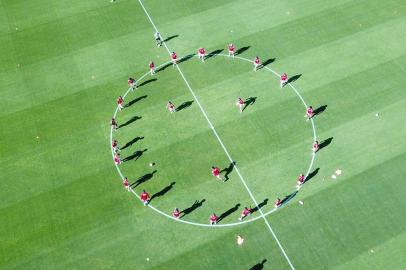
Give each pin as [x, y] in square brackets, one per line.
[240, 104]
[174, 58]
[257, 63]
[284, 79]
[117, 159]
[145, 197]
[176, 213]
[114, 123]
[300, 180]
[158, 39]
[315, 146]
[213, 219]
[152, 67]
[244, 213]
[278, 203]
[126, 184]
[201, 53]
[131, 83]
[231, 50]
[170, 107]
[309, 113]
[215, 171]
[120, 103]
[114, 145]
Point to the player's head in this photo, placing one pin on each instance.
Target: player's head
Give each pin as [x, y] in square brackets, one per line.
[316, 142]
[213, 167]
[310, 107]
[176, 209]
[143, 191]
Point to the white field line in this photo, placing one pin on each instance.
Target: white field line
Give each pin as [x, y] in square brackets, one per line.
[222, 145]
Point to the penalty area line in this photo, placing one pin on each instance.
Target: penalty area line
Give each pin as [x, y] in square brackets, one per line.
[222, 145]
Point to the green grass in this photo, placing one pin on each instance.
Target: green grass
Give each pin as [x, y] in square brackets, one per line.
[63, 64]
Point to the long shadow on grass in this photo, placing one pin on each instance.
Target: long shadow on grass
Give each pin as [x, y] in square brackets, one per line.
[163, 191]
[214, 53]
[228, 212]
[267, 62]
[171, 37]
[294, 78]
[130, 143]
[288, 197]
[136, 155]
[312, 174]
[319, 110]
[184, 105]
[192, 208]
[249, 101]
[228, 170]
[132, 119]
[135, 100]
[143, 179]
[325, 143]
[262, 204]
[259, 266]
[147, 82]
[241, 50]
[185, 58]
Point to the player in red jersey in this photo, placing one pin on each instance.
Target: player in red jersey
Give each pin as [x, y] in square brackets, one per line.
[170, 107]
[201, 53]
[240, 104]
[300, 180]
[131, 83]
[278, 203]
[114, 145]
[113, 123]
[152, 67]
[284, 79]
[231, 50]
[215, 171]
[145, 197]
[244, 213]
[117, 159]
[120, 103]
[126, 184]
[309, 113]
[174, 58]
[257, 63]
[176, 213]
[213, 219]
[315, 146]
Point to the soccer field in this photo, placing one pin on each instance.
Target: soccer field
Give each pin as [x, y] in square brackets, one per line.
[63, 64]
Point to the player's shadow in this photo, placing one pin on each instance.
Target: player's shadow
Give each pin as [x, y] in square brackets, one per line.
[171, 37]
[184, 105]
[163, 191]
[325, 143]
[163, 67]
[241, 50]
[130, 143]
[249, 101]
[228, 170]
[185, 58]
[319, 110]
[143, 179]
[288, 197]
[214, 53]
[294, 78]
[192, 208]
[259, 206]
[311, 175]
[135, 100]
[136, 155]
[147, 82]
[267, 62]
[132, 119]
[228, 212]
[259, 266]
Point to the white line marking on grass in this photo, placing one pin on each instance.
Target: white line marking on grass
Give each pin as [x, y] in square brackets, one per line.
[222, 145]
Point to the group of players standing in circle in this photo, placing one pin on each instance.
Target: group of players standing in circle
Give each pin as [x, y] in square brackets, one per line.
[215, 171]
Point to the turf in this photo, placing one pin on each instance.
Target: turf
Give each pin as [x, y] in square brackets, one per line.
[63, 64]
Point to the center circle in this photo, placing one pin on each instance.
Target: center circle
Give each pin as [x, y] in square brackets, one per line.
[251, 219]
